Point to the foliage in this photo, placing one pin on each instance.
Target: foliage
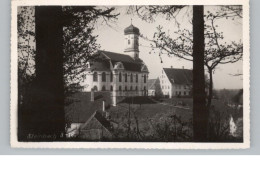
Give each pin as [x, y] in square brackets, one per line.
[219, 124]
[26, 49]
[149, 13]
[79, 42]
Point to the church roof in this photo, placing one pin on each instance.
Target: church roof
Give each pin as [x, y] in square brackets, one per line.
[120, 57]
[179, 76]
[129, 63]
[131, 30]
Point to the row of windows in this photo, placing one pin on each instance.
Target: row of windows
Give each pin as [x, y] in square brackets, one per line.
[180, 93]
[95, 77]
[165, 87]
[120, 88]
[180, 86]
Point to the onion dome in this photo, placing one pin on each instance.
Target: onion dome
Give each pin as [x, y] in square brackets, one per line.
[131, 30]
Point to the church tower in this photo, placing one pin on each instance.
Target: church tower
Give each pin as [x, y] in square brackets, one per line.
[132, 41]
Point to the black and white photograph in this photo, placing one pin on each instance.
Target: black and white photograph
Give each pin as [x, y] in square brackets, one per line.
[91, 75]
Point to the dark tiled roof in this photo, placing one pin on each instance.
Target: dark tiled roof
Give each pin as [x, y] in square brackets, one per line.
[101, 65]
[79, 108]
[120, 57]
[179, 76]
[129, 63]
[91, 123]
[132, 30]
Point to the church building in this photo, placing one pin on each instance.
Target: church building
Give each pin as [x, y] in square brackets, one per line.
[120, 74]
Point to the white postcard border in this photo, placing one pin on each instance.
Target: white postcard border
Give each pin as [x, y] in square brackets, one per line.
[129, 145]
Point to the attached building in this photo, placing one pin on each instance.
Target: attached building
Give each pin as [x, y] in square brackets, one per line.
[176, 82]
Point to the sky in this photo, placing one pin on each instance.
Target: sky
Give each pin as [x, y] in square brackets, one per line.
[111, 38]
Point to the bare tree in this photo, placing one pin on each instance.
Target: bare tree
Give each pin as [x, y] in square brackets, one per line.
[148, 13]
[217, 51]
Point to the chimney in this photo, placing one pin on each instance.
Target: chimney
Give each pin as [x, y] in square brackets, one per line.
[92, 95]
[104, 106]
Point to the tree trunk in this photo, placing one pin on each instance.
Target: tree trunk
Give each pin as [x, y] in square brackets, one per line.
[200, 120]
[210, 90]
[48, 121]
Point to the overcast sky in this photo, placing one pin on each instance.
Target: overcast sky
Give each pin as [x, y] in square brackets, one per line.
[112, 39]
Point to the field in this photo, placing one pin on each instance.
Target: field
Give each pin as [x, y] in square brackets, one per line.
[146, 119]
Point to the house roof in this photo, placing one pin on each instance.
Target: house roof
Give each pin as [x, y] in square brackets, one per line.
[179, 76]
[92, 124]
[79, 108]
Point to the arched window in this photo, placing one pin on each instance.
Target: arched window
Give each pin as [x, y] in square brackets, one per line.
[95, 77]
[125, 77]
[111, 77]
[131, 78]
[120, 88]
[125, 88]
[136, 77]
[111, 88]
[144, 78]
[103, 88]
[95, 88]
[120, 77]
[103, 77]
